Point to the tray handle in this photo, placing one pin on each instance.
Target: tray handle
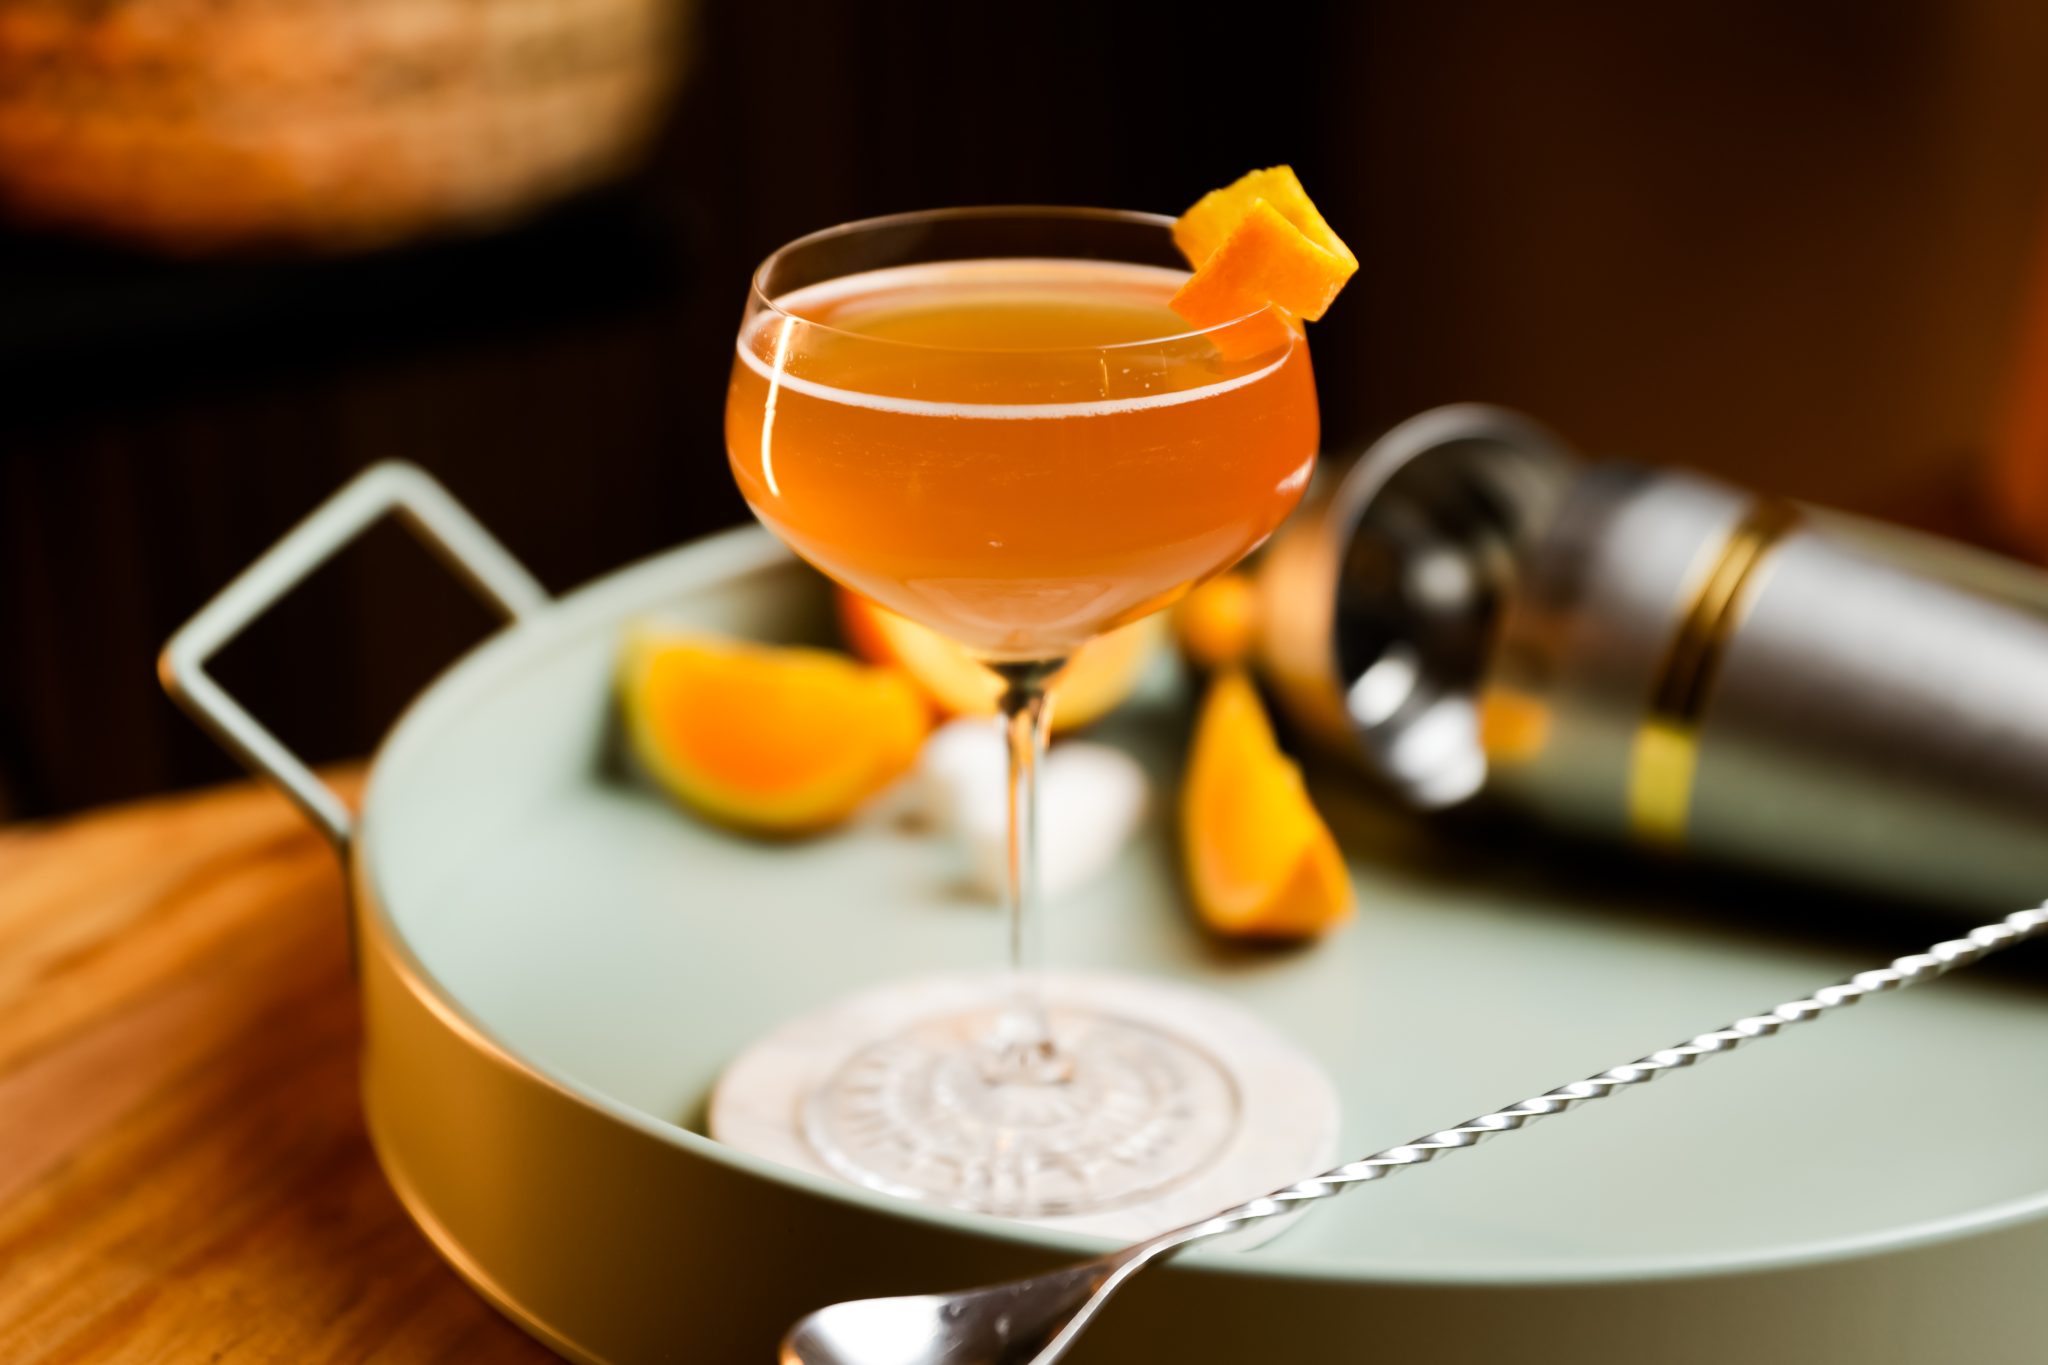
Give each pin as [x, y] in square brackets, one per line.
[425, 507]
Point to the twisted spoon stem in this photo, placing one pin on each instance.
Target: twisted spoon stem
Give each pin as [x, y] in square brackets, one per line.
[1906, 971]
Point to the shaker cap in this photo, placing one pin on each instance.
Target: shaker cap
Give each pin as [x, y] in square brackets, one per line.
[1425, 537]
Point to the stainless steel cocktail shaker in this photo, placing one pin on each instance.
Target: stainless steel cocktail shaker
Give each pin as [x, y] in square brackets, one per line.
[1474, 612]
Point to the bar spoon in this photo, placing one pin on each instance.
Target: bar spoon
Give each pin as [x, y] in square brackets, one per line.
[1035, 1321]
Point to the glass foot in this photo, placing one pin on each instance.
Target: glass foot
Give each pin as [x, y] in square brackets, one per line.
[1170, 1103]
[932, 1113]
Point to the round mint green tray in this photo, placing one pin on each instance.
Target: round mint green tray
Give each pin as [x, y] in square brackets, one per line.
[556, 963]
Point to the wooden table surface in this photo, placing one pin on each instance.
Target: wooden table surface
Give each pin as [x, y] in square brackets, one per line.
[184, 1174]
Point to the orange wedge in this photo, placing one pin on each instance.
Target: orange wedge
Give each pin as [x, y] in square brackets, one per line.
[1256, 243]
[1260, 861]
[764, 738]
[1102, 673]
[1217, 622]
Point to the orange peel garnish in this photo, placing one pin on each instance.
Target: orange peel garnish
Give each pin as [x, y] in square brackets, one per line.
[1256, 244]
[1216, 215]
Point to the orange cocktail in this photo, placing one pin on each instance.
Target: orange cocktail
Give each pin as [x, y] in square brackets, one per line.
[993, 422]
[1021, 453]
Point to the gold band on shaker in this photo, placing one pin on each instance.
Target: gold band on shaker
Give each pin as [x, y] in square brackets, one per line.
[1667, 747]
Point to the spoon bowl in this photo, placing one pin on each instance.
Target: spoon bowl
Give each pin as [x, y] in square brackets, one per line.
[1013, 1323]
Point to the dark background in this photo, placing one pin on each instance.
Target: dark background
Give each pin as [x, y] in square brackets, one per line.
[1787, 242]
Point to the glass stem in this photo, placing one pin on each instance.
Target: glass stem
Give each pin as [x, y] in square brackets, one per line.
[1024, 1041]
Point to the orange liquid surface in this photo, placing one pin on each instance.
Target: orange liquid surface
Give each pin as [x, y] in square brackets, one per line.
[1008, 451]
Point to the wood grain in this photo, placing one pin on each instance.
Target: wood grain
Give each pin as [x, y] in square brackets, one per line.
[183, 1170]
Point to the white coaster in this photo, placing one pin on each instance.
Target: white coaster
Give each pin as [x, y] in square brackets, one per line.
[1288, 1107]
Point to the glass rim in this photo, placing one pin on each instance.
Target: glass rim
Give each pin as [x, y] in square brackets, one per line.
[759, 295]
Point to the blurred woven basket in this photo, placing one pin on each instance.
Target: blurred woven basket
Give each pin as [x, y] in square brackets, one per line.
[323, 125]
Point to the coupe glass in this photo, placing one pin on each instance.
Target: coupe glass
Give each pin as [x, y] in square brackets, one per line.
[912, 409]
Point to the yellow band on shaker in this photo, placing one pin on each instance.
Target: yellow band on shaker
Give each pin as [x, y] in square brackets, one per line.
[1667, 746]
